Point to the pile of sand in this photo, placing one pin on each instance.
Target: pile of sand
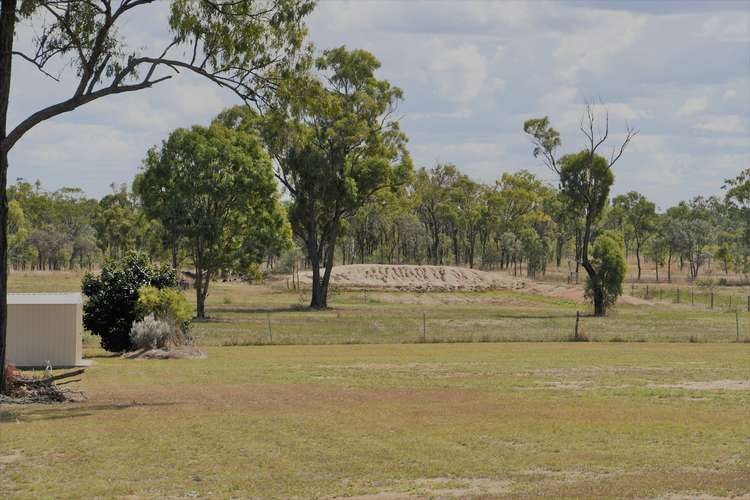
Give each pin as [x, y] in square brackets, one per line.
[447, 279]
[416, 278]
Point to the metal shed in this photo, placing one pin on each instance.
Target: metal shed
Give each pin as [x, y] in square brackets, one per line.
[44, 327]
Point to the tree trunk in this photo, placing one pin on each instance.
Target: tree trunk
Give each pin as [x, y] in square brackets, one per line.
[638, 258]
[202, 279]
[669, 267]
[7, 29]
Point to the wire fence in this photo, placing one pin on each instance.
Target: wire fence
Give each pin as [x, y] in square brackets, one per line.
[348, 322]
[694, 296]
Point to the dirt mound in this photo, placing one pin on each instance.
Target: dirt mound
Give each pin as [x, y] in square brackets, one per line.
[416, 278]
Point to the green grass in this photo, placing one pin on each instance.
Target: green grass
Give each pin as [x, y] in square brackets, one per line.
[592, 420]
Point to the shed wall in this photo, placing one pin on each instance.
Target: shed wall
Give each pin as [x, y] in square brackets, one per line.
[41, 332]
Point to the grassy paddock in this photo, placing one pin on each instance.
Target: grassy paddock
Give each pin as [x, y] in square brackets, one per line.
[592, 420]
[240, 315]
[395, 418]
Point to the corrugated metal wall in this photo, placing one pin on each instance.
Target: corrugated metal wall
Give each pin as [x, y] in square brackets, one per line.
[41, 332]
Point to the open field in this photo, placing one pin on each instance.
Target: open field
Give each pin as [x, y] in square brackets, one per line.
[399, 418]
[593, 420]
[240, 315]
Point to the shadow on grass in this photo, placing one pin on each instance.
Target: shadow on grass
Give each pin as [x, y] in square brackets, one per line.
[37, 412]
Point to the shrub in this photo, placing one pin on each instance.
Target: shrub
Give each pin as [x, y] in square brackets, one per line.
[166, 304]
[113, 295]
[150, 333]
[608, 258]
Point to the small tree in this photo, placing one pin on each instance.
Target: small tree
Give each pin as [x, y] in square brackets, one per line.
[112, 304]
[640, 217]
[608, 258]
[214, 187]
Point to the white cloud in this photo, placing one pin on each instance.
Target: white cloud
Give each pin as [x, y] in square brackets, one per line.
[460, 73]
[595, 45]
[730, 124]
[693, 106]
[728, 27]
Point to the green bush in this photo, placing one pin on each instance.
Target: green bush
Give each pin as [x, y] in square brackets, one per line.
[608, 259]
[166, 304]
[111, 308]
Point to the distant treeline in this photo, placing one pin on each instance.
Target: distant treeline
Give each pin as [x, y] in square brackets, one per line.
[441, 217]
[444, 217]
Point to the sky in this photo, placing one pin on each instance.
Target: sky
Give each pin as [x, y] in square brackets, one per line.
[472, 73]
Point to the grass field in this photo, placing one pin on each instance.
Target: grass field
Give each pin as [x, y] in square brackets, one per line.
[597, 420]
[240, 314]
[396, 418]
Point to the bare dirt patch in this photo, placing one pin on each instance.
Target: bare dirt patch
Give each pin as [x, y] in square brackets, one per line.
[440, 487]
[10, 458]
[712, 385]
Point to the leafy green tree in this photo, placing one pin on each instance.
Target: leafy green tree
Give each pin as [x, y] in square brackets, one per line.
[640, 215]
[215, 187]
[242, 45]
[737, 197]
[330, 134]
[545, 140]
[609, 260]
[431, 191]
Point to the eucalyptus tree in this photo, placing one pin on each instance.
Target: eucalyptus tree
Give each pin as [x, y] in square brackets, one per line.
[737, 197]
[238, 45]
[640, 217]
[335, 145]
[586, 178]
[220, 181]
[432, 203]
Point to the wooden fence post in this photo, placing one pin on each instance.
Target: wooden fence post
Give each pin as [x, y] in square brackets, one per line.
[737, 323]
[270, 333]
[712, 300]
[578, 319]
[678, 295]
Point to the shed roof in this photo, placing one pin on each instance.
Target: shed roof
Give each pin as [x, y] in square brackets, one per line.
[44, 298]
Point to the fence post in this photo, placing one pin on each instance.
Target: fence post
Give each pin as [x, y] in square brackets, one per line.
[646, 292]
[692, 297]
[737, 323]
[678, 295]
[270, 333]
[712, 300]
[730, 301]
[578, 319]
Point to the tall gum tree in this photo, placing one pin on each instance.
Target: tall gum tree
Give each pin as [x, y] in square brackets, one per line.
[243, 45]
[335, 145]
[585, 178]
